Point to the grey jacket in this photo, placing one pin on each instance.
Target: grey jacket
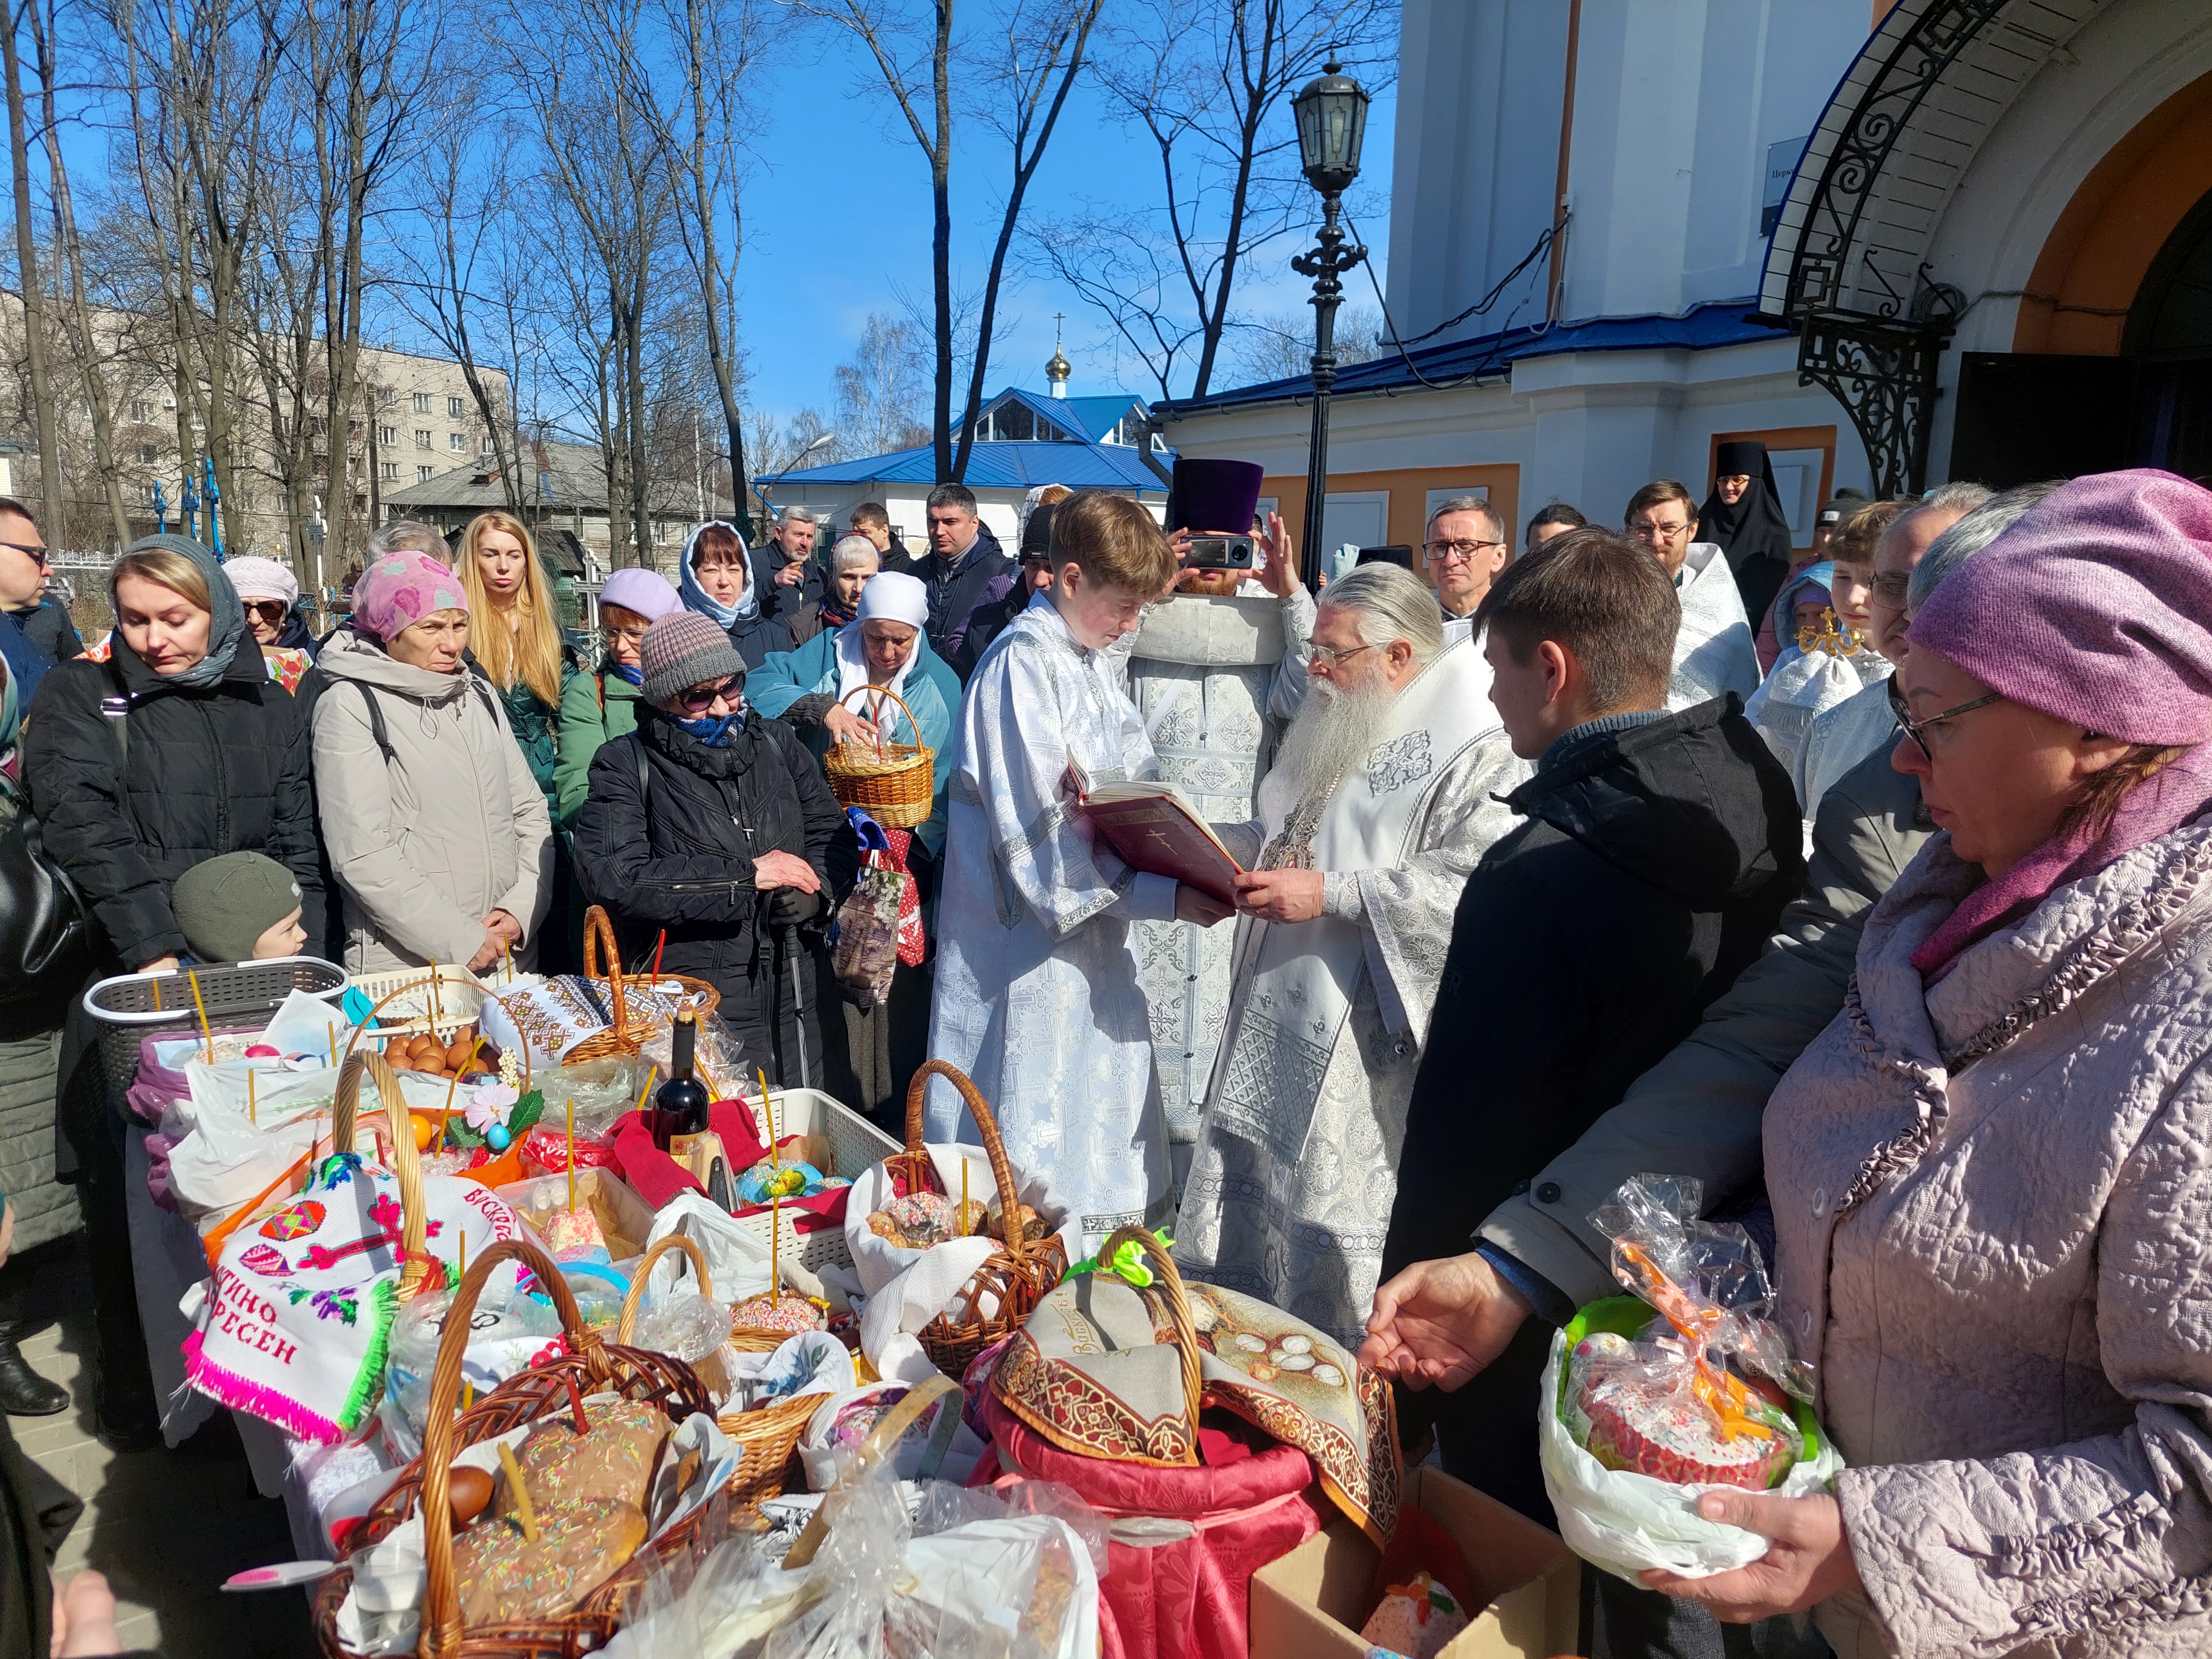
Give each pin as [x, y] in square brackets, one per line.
[1990, 1198]
[453, 828]
[1697, 1112]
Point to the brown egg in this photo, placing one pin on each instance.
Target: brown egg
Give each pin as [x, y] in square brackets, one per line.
[457, 1056]
[468, 1494]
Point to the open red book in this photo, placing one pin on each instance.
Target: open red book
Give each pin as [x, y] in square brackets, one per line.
[1156, 830]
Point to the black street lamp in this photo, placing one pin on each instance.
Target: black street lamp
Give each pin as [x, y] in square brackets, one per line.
[1332, 113]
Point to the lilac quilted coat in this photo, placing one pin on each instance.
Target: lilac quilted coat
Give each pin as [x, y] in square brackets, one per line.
[1994, 1208]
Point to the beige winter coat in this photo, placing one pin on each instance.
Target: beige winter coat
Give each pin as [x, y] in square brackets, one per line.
[453, 828]
[1994, 1204]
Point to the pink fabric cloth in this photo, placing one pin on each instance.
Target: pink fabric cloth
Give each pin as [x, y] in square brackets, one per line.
[1186, 1599]
[2159, 806]
[2095, 605]
[398, 590]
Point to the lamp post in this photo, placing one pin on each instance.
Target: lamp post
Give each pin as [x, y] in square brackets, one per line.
[1332, 115]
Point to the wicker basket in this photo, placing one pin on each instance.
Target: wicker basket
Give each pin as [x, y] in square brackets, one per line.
[770, 1435]
[624, 1037]
[893, 783]
[591, 1367]
[1016, 1276]
[133, 1006]
[882, 1438]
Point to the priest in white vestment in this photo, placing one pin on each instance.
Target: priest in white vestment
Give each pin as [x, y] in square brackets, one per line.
[1714, 650]
[1037, 998]
[1382, 798]
[1216, 670]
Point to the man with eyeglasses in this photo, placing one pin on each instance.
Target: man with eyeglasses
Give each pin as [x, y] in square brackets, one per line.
[1385, 793]
[1840, 738]
[1699, 1113]
[24, 568]
[1466, 548]
[1713, 648]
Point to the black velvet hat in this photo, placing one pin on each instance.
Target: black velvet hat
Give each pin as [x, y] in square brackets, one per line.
[1215, 495]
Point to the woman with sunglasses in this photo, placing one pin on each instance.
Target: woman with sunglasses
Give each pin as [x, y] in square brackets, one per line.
[437, 831]
[1989, 1174]
[270, 594]
[714, 823]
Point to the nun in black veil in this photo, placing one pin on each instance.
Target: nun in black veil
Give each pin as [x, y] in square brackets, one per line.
[1744, 515]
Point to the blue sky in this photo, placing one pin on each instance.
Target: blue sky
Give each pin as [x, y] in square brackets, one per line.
[838, 220]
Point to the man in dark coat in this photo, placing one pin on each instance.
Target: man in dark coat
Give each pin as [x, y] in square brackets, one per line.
[1659, 850]
[1009, 595]
[45, 621]
[964, 561]
[785, 570]
[715, 822]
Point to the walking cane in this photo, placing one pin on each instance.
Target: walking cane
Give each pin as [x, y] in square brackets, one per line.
[798, 1007]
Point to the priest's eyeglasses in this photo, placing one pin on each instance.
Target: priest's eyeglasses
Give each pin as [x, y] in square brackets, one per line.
[1323, 656]
[1918, 730]
[1447, 552]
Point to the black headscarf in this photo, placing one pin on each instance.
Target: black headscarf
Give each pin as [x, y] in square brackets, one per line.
[1753, 532]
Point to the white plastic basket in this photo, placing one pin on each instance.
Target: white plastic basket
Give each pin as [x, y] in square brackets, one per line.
[460, 996]
[855, 1145]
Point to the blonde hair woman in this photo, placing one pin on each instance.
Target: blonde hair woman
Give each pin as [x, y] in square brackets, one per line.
[514, 633]
[165, 745]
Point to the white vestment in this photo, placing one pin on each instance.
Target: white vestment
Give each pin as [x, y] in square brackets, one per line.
[1840, 739]
[1804, 686]
[1215, 678]
[1037, 1000]
[1714, 651]
[1290, 1188]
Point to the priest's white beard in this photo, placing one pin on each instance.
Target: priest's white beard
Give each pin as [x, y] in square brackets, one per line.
[1335, 732]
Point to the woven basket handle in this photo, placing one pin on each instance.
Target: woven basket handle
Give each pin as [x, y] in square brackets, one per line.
[430, 982]
[881, 1438]
[406, 1158]
[1169, 1282]
[986, 1126]
[884, 692]
[684, 1242]
[441, 1601]
[599, 938]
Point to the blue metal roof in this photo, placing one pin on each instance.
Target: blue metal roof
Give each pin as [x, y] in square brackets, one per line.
[1004, 465]
[1723, 323]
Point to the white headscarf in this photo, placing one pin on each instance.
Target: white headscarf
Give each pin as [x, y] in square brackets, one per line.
[889, 596]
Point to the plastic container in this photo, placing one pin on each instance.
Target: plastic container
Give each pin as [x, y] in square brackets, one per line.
[855, 1145]
[133, 1006]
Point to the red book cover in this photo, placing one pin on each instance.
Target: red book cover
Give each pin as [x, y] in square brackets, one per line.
[1156, 831]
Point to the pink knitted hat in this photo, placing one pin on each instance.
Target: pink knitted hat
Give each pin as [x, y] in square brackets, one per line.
[398, 590]
[2095, 605]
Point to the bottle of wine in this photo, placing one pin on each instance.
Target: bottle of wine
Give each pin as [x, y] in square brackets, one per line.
[679, 1105]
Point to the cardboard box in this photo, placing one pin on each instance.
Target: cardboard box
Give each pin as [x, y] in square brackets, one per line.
[1310, 1603]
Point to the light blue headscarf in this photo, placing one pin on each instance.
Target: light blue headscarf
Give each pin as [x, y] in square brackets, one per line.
[227, 617]
[697, 598]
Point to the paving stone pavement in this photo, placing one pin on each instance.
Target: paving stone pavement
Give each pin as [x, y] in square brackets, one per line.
[166, 1527]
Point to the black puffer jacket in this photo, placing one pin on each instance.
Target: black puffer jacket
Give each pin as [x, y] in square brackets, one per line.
[1650, 873]
[220, 768]
[678, 853]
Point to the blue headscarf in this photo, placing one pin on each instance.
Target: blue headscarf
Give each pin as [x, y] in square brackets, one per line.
[716, 732]
[697, 598]
[226, 619]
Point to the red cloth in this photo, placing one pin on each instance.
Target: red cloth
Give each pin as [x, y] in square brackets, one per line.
[1186, 1599]
[656, 1177]
[913, 947]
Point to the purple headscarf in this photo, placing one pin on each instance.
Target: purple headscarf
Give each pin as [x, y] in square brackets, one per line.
[398, 590]
[2095, 605]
